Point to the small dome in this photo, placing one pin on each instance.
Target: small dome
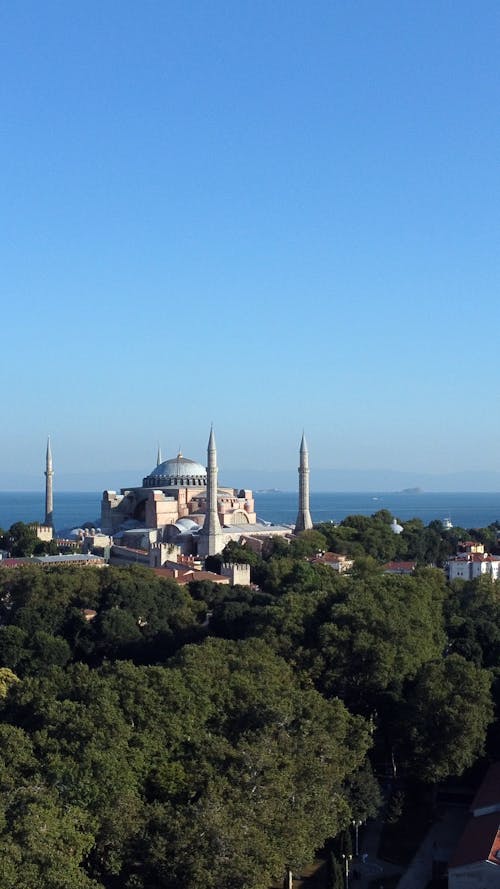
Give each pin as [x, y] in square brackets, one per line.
[187, 525]
[396, 528]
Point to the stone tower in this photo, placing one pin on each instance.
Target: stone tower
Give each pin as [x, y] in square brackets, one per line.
[304, 521]
[49, 499]
[210, 541]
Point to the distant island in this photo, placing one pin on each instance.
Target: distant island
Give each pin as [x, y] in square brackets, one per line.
[269, 491]
[412, 491]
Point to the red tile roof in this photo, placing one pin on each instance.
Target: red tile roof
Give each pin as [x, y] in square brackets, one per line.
[494, 855]
[400, 566]
[489, 791]
[329, 559]
[15, 563]
[187, 575]
[478, 841]
[333, 557]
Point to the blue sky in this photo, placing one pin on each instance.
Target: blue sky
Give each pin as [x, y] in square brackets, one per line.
[269, 215]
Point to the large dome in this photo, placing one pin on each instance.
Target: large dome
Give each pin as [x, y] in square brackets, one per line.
[177, 471]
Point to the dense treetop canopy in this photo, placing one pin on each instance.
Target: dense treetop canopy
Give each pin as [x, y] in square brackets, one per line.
[158, 736]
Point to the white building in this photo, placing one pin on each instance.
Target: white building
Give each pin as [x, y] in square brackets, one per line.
[335, 561]
[471, 562]
[471, 565]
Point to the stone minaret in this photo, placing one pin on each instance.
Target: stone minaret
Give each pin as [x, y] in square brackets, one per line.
[211, 538]
[49, 499]
[158, 456]
[304, 521]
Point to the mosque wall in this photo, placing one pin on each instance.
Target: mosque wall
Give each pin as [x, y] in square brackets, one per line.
[160, 510]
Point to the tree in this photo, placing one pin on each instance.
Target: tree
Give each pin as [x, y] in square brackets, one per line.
[7, 678]
[21, 540]
[377, 634]
[395, 806]
[363, 793]
[43, 844]
[307, 543]
[473, 622]
[49, 547]
[444, 724]
[43, 652]
[235, 552]
[335, 872]
[13, 642]
[274, 799]
[215, 770]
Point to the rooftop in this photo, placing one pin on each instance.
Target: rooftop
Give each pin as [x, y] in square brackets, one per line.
[489, 792]
[178, 467]
[401, 567]
[480, 841]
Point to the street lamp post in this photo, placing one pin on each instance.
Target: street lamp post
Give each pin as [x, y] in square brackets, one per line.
[347, 859]
[356, 825]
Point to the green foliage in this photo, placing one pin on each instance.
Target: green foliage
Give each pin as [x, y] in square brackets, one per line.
[138, 614]
[49, 547]
[13, 642]
[335, 879]
[146, 762]
[473, 622]
[449, 709]
[20, 540]
[307, 543]
[378, 634]
[426, 544]
[395, 806]
[360, 535]
[363, 792]
[43, 843]
[220, 764]
[7, 678]
[235, 552]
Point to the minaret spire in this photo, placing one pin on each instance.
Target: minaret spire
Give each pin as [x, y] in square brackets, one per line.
[304, 521]
[159, 458]
[49, 499]
[211, 540]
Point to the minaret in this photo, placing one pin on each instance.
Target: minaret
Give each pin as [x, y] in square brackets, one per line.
[49, 500]
[158, 456]
[211, 539]
[304, 521]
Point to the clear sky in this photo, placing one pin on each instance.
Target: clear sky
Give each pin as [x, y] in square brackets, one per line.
[273, 215]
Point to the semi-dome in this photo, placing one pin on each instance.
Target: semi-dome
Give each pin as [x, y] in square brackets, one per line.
[187, 525]
[179, 471]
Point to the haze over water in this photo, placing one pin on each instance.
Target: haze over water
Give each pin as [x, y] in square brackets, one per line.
[468, 510]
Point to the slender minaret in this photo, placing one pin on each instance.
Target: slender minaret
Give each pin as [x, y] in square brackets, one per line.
[49, 499]
[211, 538]
[158, 456]
[304, 521]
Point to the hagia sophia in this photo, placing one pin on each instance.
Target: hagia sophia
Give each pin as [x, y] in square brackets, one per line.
[175, 490]
[180, 505]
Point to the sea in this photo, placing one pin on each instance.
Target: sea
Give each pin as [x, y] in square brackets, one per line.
[466, 510]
